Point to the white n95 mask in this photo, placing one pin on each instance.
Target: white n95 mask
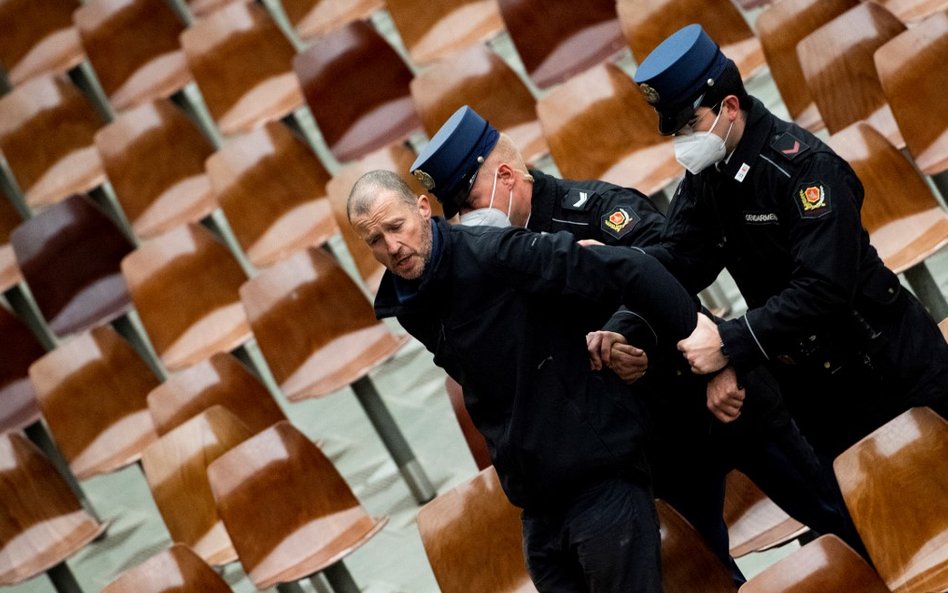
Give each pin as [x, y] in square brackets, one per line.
[489, 216]
[699, 150]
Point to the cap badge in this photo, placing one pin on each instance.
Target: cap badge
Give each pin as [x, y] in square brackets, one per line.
[424, 178]
[651, 95]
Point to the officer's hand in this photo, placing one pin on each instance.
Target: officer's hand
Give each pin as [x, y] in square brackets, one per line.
[725, 396]
[702, 349]
[612, 350]
[588, 242]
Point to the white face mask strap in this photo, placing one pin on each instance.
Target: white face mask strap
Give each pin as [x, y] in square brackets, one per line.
[493, 189]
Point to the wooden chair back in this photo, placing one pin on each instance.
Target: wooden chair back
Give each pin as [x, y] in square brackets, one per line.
[9, 219]
[598, 126]
[910, 67]
[41, 521]
[688, 565]
[175, 467]
[646, 23]
[221, 380]
[38, 38]
[755, 523]
[70, 256]
[66, 161]
[894, 483]
[272, 189]
[557, 39]
[912, 11]
[431, 29]
[154, 156]
[176, 569]
[837, 64]
[943, 326]
[242, 64]
[312, 18]
[474, 439]
[780, 27]
[201, 8]
[473, 540]
[825, 564]
[133, 47]
[356, 86]
[18, 405]
[287, 509]
[184, 285]
[478, 77]
[314, 325]
[92, 391]
[905, 222]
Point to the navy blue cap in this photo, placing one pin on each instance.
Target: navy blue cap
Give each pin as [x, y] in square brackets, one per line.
[448, 164]
[678, 73]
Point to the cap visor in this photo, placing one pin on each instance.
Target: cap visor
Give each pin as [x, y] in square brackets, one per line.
[670, 122]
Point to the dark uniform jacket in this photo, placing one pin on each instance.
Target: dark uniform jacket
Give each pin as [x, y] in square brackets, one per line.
[505, 313]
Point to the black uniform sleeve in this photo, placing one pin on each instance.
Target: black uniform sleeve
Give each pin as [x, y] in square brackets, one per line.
[624, 216]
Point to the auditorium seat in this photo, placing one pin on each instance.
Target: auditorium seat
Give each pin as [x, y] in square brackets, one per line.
[272, 190]
[242, 64]
[943, 325]
[755, 523]
[356, 86]
[38, 38]
[289, 512]
[646, 23]
[42, 523]
[894, 482]
[476, 443]
[557, 39]
[688, 565]
[9, 219]
[599, 126]
[824, 565]
[220, 380]
[202, 8]
[51, 108]
[912, 11]
[154, 156]
[837, 64]
[184, 286]
[175, 467]
[134, 49]
[92, 391]
[312, 18]
[177, 569]
[70, 255]
[780, 27]
[18, 405]
[431, 29]
[478, 77]
[911, 70]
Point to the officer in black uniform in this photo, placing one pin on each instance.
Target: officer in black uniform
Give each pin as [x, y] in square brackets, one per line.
[566, 441]
[778, 209]
[690, 452]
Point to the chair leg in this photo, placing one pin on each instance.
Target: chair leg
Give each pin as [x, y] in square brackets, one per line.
[293, 587]
[190, 100]
[63, 579]
[217, 223]
[927, 290]
[130, 327]
[340, 578]
[83, 76]
[394, 441]
[21, 301]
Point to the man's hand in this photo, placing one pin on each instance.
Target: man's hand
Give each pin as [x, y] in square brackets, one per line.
[702, 349]
[725, 396]
[612, 350]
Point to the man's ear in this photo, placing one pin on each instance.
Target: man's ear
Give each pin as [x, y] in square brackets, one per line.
[424, 207]
[506, 175]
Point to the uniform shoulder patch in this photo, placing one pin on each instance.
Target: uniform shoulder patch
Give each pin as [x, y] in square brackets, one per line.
[619, 221]
[789, 146]
[813, 199]
[578, 199]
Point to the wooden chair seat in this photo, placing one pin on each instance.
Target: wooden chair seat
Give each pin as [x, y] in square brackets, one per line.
[287, 509]
[38, 38]
[69, 255]
[598, 126]
[474, 439]
[912, 11]
[202, 8]
[176, 569]
[780, 27]
[755, 523]
[220, 380]
[557, 39]
[312, 18]
[823, 565]
[432, 29]
[913, 80]
[894, 483]
[42, 522]
[53, 109]
[943, 326]
[357, 88]
[92, 391]
[480, 78]
[837, 64]
[688, 565]
[242, 64]
[133, 47]
[9, 220]
[184, 285]
[18, 405]
[272, 190]
[154, 155]
[175, 466]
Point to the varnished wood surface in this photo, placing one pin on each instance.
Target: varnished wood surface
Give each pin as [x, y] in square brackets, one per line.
[312, 18]
[175, 570]
[287, 509]
[431, 29]
[912, 11]
[18, 405]
[475, 440]
[754, 522]
[943, 326]
[38, 38]
[9, 220]
[688, 565]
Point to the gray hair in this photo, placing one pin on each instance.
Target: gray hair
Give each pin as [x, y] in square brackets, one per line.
[368, 188]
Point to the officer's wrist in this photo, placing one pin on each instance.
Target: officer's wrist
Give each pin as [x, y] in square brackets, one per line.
[724, 350]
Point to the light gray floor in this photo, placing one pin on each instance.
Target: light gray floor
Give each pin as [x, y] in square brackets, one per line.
[413, 388]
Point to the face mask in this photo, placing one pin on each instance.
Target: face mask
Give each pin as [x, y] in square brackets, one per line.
[489, 216]
[699, 150]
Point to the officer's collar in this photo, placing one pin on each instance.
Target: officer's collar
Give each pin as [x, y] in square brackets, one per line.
[541, 211]
[751, 144]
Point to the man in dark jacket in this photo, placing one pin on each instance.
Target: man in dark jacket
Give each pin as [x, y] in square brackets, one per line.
[566, 441]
